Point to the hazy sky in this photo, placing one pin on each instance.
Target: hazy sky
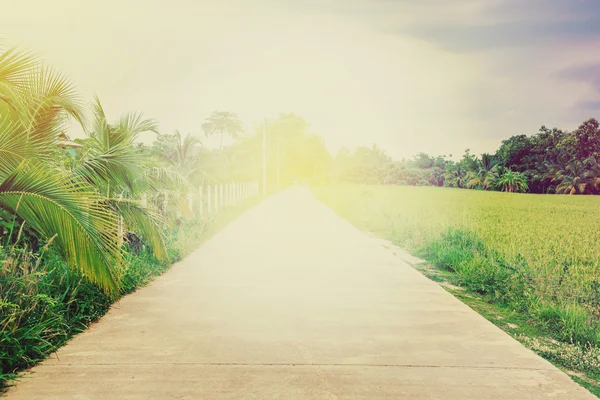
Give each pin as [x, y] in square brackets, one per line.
[425, 75]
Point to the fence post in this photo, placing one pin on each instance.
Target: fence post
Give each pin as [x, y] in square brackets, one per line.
[216, 198]
[190, 201]
[208, 209]
[222, 199]
[200, 195]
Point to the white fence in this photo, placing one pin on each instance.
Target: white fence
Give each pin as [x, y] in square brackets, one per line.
[212, 198]
[204, 200]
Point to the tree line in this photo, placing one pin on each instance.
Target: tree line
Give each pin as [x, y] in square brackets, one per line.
[550, 161]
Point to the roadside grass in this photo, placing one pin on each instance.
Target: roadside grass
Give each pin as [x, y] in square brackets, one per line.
[43, 303]
[528, 263]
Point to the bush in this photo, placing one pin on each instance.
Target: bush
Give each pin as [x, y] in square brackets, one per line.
[484, 276]
[570, 322]
[42, 303]
[478, 268]
[453, 249]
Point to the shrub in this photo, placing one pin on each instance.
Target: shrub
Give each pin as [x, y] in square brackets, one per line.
[570, 322]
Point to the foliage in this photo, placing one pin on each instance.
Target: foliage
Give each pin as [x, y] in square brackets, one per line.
[512, 182]
[551, 161]
[52, 201]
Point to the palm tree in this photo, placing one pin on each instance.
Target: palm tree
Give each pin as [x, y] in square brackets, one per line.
[593, 173]
[113, 164]
[455, 176]
[221, 122]
[111, 159]
[485, 175]
[512, 182]
[35, 102]
[574, 179]
[183, 156]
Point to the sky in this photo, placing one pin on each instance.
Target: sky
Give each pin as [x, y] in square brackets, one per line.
[436, 76]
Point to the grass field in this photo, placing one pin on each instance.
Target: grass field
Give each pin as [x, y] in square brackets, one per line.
[536, 255]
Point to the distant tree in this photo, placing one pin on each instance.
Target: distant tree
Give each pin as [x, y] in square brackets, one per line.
[574, 179]
[455, 175]
[185, 153]
[485, 174]
[588, 140]
[221, 122]
[512, 182]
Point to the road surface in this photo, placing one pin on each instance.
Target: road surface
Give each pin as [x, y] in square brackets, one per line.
[292, 302]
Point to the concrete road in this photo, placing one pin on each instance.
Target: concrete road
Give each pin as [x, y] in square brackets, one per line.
[292, 302]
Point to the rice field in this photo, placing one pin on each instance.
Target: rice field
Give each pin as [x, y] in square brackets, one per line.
[541, 251]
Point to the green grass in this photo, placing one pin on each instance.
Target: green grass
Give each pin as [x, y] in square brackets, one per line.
[535, 257]
[43, 304]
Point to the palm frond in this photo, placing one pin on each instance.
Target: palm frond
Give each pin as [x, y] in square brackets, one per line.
[54, 202]
[134, 124]
[53, 100]
[13, 149]
[15, 69]
[144, 222]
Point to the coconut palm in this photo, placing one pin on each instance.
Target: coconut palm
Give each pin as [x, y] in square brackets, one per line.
[574, 179]
[112, 163]
[182, 157]
[110, 160]
[593, 173]
[455, 176]
[485, 174]
[35, 102]
[512, 182]
[221, 122]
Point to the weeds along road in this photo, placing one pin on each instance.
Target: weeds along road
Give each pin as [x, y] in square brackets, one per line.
[292, 302]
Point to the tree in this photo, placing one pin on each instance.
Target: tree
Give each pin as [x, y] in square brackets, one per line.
[588, 139]
[512, 182]
[112, 163]
[574, 179]
[180, 152]
[485, 174]
[221, 122]
[455, 175]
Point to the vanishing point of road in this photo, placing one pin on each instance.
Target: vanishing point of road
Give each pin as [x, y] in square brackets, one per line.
[292, 302]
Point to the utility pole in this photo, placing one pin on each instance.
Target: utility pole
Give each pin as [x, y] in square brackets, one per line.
[264, 186]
